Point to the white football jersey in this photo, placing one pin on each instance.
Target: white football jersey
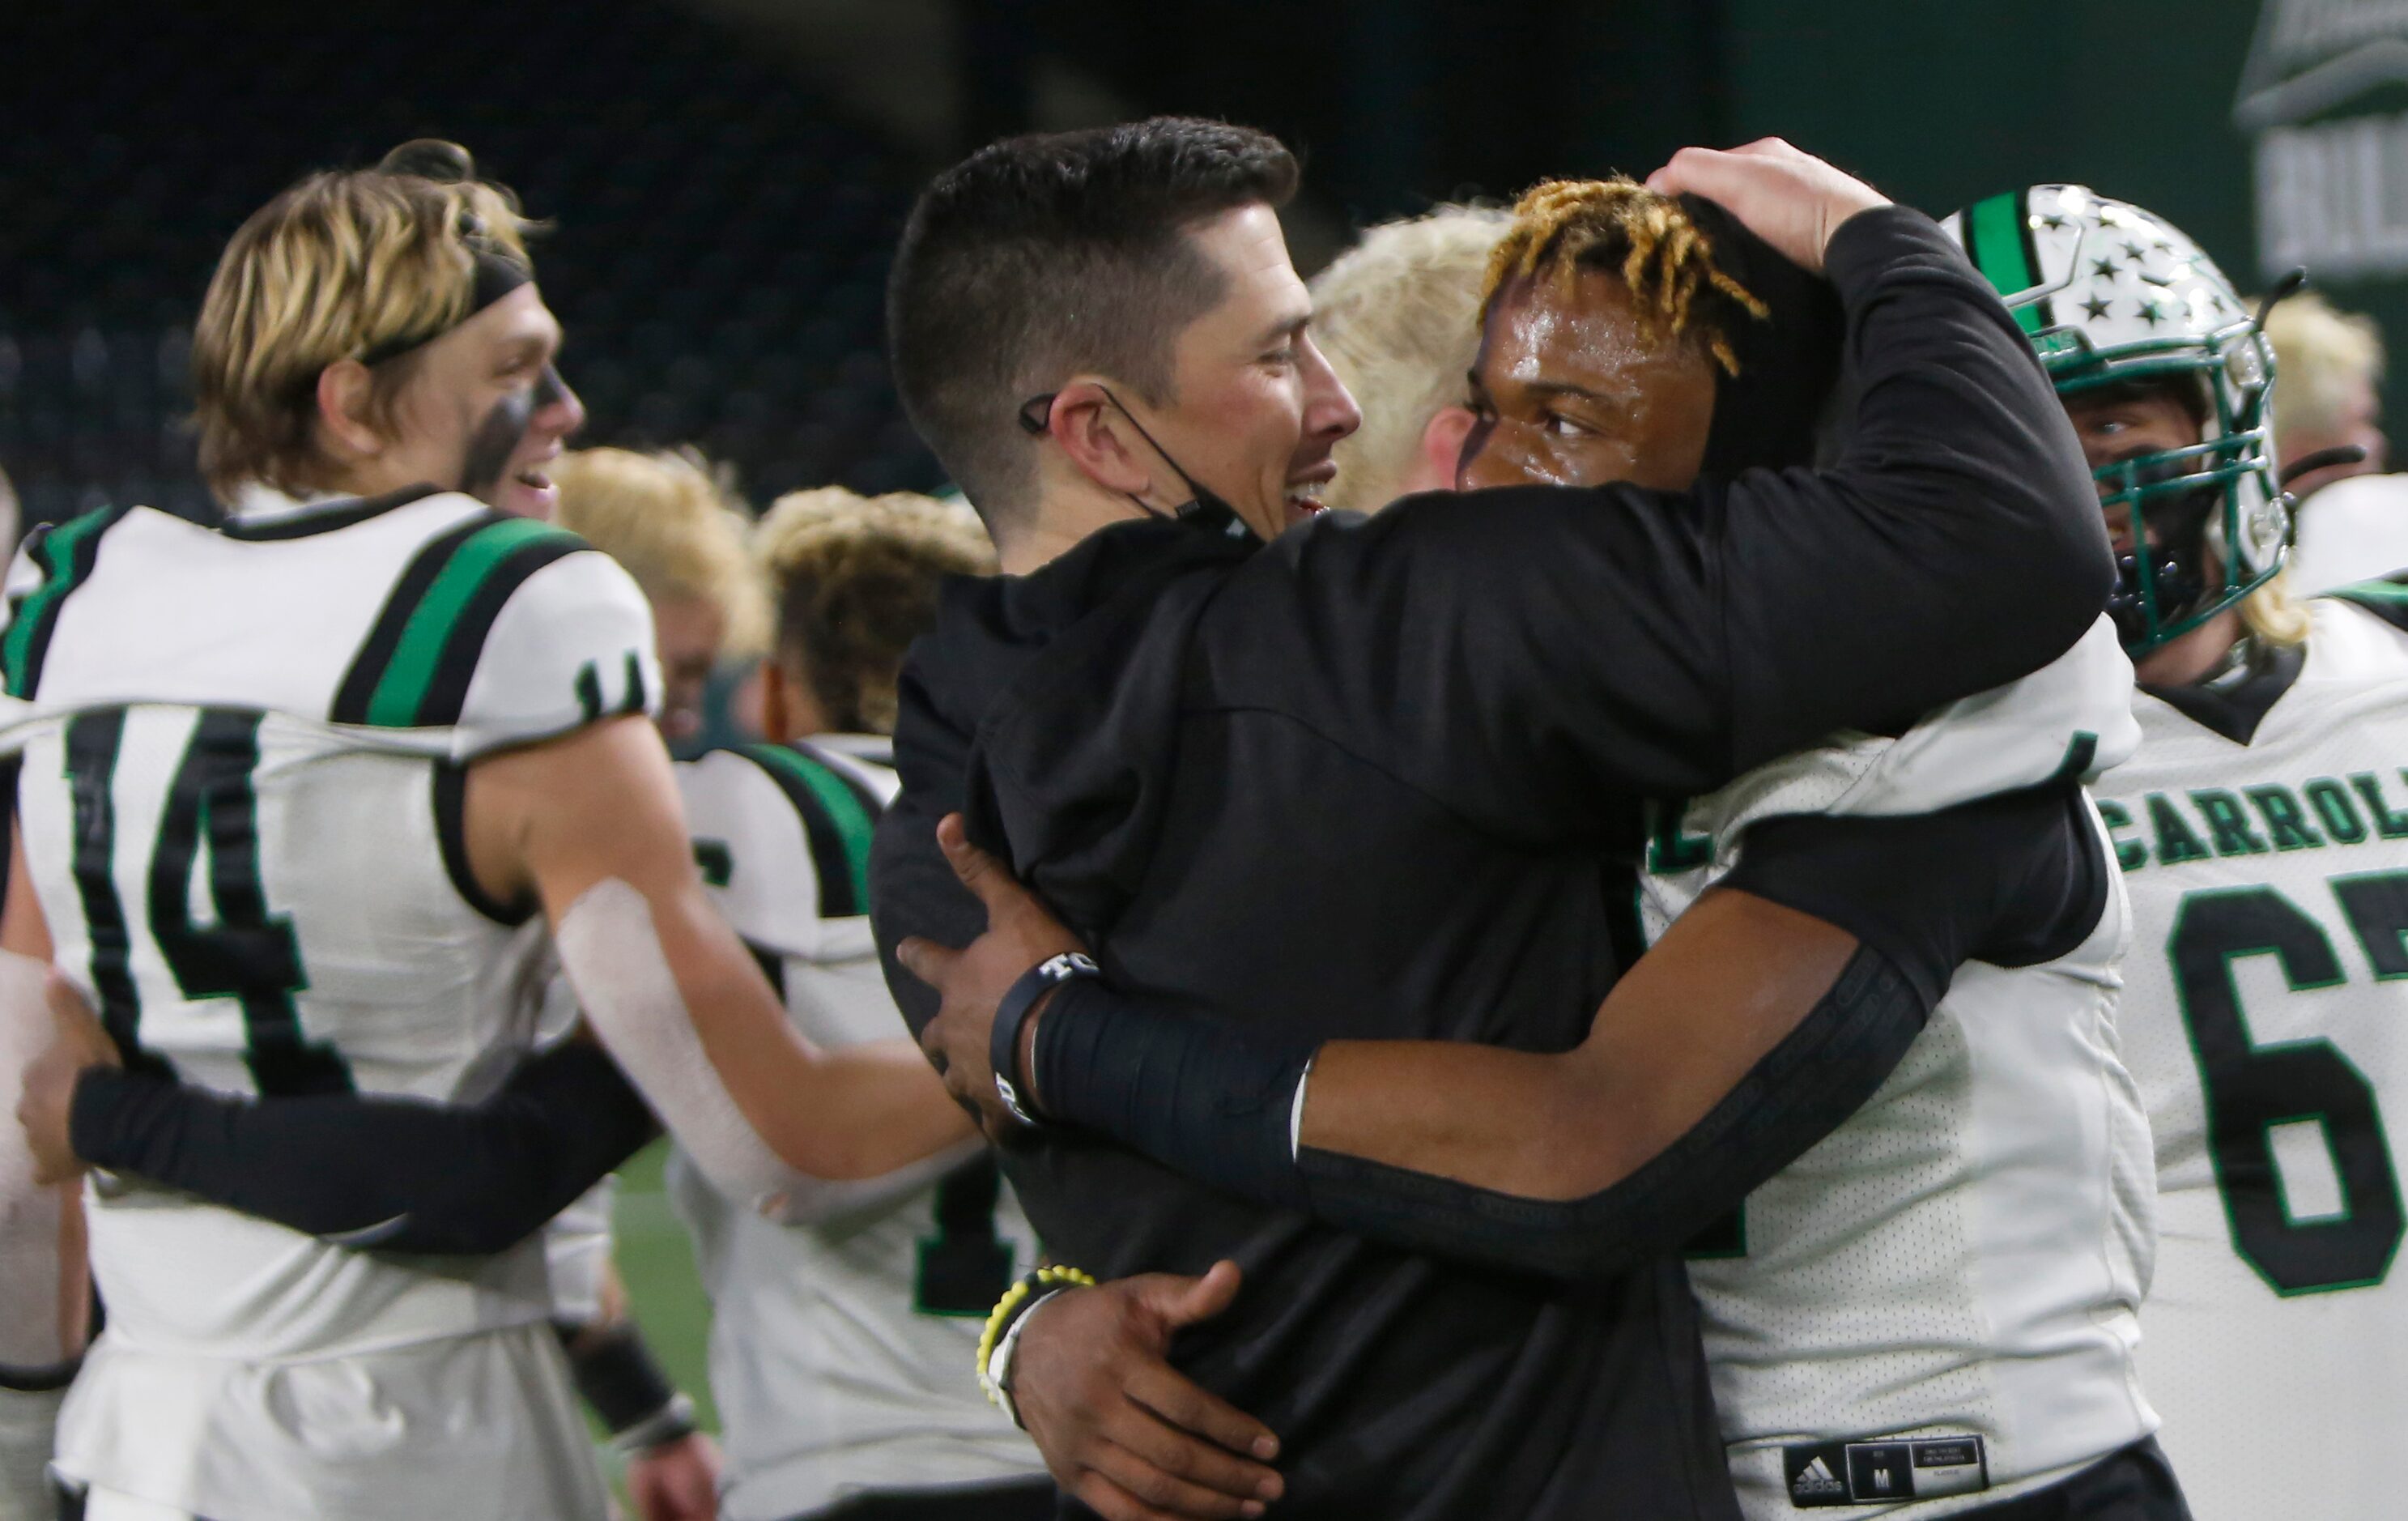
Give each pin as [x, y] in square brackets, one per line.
[842, 1352]
[244, 758]
[1933, 1308]
[2263, 831]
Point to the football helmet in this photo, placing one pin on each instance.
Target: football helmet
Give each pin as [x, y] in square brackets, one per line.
[2109, 295]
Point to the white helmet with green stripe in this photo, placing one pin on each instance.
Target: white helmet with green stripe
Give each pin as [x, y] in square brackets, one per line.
[2110, 295]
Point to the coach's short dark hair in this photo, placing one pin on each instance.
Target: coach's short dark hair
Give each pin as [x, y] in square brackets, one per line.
[1037, 257]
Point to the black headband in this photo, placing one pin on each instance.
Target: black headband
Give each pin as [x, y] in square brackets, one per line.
[498, 273]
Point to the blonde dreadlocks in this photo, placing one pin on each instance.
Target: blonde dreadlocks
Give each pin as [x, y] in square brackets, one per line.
[1563, 227]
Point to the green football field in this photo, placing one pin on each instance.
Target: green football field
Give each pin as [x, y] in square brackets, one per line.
[658, 1266]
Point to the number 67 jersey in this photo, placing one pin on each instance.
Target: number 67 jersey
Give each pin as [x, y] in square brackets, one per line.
[2263, 830]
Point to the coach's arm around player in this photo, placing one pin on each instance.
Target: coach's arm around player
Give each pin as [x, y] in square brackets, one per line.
[1766, 1015]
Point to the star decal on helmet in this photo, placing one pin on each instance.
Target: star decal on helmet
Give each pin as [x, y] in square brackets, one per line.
[2177, 321]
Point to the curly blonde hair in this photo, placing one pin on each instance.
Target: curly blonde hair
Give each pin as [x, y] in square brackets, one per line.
[676, 525]
[855, 579]
[338, 266]
[1563, 227]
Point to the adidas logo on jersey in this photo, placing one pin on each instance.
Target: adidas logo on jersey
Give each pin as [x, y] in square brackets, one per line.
[1884, 1469]
[1816, 1481]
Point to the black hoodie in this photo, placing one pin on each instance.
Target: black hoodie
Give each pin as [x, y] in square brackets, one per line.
[1380, 779]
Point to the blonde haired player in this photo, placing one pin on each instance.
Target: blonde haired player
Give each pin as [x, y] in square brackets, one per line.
[298, 787]
[1398, 316]
[844, 1314]
[2353, 518]
[856, 580]
[680, 532]
[839, 1330]
[2331, 361]
[2262, 829]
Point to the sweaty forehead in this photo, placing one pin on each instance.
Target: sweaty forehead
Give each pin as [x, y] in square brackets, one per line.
[1552, 332]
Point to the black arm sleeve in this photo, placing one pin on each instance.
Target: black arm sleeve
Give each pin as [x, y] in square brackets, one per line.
[386, 1173]
[2017, 879]
[1533, 654]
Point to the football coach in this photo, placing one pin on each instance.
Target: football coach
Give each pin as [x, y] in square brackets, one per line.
[1316, 769]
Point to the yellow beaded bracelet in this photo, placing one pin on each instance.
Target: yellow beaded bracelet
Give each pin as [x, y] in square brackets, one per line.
[1015, 1303]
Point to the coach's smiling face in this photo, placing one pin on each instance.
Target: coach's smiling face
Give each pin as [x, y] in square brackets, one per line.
[1253, 409]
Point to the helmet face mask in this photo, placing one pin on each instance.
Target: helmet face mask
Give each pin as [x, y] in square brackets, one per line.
[2112, 296]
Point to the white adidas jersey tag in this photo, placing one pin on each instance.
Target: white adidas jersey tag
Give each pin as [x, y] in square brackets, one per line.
[1883, 1472]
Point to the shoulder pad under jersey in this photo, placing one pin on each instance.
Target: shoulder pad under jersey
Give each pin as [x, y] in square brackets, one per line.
[503, 630]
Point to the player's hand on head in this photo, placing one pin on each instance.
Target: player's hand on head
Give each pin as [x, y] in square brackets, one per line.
[1121, 1429]
[1791, 199]
[676, 1481]
[1019, 933]
[78, 1041]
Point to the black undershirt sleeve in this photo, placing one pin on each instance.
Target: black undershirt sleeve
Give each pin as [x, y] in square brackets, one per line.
[381, 1172]
[2015, 879]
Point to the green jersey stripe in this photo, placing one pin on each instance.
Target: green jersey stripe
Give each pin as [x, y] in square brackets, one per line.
[838, 818]
[376, 652]
[426, 638]
[412, 671]
[2002, 246]
[2387, 598]
[67, 555]
[445, 694]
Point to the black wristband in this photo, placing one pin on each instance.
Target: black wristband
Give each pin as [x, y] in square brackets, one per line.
[617, 1374]
[1202, 1097]
[1003, 1037]
[49, 1378]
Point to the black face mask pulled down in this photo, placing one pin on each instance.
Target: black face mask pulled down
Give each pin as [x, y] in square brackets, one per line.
[1204, 508]
[1778, 411]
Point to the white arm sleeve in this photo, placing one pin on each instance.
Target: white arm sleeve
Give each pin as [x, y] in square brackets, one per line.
[612, 955]
[31, 1216]
[30, 1220]
[818, 1201]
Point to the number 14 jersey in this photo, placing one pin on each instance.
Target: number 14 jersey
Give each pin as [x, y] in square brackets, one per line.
[244, 750]
[2263, 831]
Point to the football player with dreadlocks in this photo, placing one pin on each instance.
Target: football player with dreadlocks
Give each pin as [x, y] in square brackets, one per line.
[2263, 832]
[1923, 1299]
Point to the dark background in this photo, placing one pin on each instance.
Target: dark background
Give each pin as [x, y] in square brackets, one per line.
[726, 175]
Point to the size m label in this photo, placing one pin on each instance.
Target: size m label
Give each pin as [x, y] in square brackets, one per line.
[1883, 1471]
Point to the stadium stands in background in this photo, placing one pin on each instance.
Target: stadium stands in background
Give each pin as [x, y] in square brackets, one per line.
[718, 252]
